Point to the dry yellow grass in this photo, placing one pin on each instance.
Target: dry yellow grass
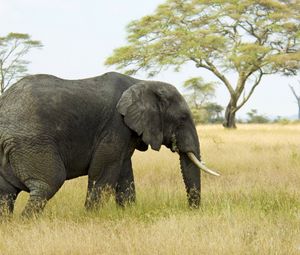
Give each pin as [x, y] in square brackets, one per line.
[254, 208]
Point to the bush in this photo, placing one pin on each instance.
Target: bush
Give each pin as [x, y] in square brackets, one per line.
[254, 117]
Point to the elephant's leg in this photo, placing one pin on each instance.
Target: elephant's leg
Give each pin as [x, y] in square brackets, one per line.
[42, 171]
[103, 173]
[101, 185]
[40, 193]
[7, 201]
[125, 190]
[8, 195]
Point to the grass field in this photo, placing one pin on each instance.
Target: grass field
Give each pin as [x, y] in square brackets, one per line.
[253, 208]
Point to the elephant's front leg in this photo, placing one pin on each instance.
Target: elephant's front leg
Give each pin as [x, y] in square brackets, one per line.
[125, 190]
[101, 187]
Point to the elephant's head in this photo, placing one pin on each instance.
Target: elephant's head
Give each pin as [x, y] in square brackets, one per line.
[160, 116]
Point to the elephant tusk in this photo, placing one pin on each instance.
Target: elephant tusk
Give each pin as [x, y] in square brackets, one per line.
[198, 163]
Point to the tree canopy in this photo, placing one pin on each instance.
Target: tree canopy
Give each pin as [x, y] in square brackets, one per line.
[247, 37]
[13, 48]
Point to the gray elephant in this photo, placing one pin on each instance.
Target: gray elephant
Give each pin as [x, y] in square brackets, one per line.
[52, 130]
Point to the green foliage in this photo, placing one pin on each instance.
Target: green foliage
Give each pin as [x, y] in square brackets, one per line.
[208, 113]
[282, 121]
[237, 35]
[254, 117]
[251, 38]
[214, 111]
[200, 115]
[200, 91]
[13, 48]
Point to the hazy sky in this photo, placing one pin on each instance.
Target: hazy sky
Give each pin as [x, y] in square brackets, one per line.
[79, 35]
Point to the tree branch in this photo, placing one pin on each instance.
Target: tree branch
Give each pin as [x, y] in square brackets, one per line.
[2, 77]
[210, 67]
[294, 93]
[214, 70]
[13, 48]
[252, 89]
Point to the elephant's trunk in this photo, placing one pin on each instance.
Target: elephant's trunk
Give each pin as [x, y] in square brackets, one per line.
[191, 177]
[186, 143]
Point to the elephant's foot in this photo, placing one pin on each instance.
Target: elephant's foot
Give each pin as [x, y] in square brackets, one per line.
[97, 196]
[40, 193]
[125, 189]
[125, 194]
[34, 207]
[7, 202]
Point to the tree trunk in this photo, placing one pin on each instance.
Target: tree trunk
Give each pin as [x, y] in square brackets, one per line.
[1, 87]
[230, 112]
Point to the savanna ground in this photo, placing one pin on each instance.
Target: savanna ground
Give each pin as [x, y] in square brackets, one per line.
[253, 208]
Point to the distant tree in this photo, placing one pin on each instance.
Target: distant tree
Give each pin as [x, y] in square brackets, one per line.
[254, 117]
[297, 96]
[247, 37]
[198, 99]
[13, 48]
[281, 120]
[209, 112]
[214, 111]
[200, 115]
[201, 91]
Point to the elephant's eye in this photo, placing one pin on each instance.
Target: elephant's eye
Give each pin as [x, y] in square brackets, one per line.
[183, 118]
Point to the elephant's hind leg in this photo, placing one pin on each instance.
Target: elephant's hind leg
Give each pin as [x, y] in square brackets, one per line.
[40, 193]
[7, 202]
[43, 173]
[8, 195]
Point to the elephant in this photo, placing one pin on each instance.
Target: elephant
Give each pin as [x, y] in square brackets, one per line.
[53, 130]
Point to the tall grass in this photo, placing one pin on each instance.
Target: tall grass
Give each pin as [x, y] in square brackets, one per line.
[253, 208]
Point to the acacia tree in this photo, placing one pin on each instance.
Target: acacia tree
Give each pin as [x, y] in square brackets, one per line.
[201, 91]
[214, 111]
[246, 37]
[13, 48]
[199, 94]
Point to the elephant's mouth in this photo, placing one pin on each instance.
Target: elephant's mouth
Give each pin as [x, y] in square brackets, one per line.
[173, 146]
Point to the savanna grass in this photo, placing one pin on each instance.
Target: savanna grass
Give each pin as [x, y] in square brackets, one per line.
[253, 208]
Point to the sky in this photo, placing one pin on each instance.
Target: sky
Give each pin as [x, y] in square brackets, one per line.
[79, 35]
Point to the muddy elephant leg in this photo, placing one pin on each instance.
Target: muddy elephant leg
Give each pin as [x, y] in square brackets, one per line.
[103, 173]
[125, 190]
[42, 172]
[8, 195]
[7, 202]
[40, 193]
[101, 185]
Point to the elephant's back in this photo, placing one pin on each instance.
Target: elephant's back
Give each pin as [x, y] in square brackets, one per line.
[75, 104]
[40, 102]
[17, 107]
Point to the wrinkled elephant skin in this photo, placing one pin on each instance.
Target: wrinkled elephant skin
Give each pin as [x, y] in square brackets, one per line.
[52, 130]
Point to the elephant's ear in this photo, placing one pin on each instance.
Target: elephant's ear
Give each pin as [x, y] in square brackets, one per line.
[141, 109]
